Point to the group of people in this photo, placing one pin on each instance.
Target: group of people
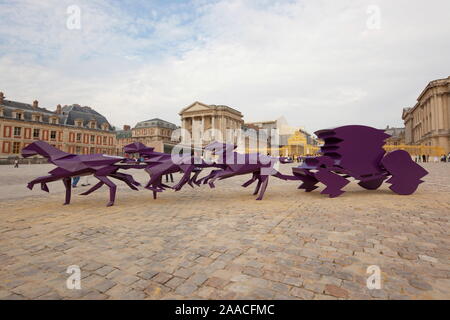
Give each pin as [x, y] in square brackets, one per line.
[428, 158]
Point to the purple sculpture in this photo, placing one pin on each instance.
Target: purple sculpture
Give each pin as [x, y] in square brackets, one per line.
[158, 164]
[72, 165]
[349, 151]
[234, 164]
[357, 151]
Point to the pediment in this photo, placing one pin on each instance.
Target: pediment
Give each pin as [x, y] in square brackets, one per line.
[196, 106]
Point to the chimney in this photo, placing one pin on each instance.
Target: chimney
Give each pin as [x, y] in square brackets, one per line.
[126, 128]
[58, 109]
[2, 97]
[35, 104]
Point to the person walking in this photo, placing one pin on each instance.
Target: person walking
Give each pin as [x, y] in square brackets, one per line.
[75, 181]
[171, 177]
[16, 163]
[85, 181]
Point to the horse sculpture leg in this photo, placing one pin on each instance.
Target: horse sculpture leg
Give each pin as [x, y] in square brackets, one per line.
[194, 179]
[258, 186]
[68, 184]
[112, 189]
[187, 169]
[249, 182]
[125, 178]
[265, 182]
[97, 186]
[42, 181]
[206, 179]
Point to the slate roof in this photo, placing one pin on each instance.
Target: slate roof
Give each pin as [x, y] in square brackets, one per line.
[28, 110]
[156, 122]
[67, 117]
[77, 112]
[122, 134]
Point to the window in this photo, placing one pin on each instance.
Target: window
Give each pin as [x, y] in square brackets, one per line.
[19, 116]
[93, 125]
[17, 131]
[54, 120]
[104, 140]
[36, 133]
[79, 123]
[37, 118]
[78, 137]
[16, 147]
[92, 139]
[53, 135]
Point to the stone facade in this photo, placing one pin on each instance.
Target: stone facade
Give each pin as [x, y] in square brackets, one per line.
[428, 122]
[73, 129]
[154, 133]
[397, 136]
[199, 117]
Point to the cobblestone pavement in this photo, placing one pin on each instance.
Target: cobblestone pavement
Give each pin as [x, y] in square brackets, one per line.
[221, 243]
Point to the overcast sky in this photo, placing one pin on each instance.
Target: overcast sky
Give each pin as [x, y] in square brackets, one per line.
[319, 63]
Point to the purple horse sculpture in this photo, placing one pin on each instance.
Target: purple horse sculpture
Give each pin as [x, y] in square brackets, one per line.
[357, 151]
[73, 165]
[235, 164]
[158, 164]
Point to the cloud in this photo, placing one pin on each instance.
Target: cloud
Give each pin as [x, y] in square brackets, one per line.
[314, 62]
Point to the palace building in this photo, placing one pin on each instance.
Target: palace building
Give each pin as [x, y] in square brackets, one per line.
[200, 117]
[74, 129]
[428, 122]
[397, 136]
[154, 133]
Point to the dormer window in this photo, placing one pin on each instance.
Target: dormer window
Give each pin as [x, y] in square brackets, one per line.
[105, 126]
[37, 117]
[1, 112]
[19, 115]
[93, 124]
[79, 123]
[54, 120]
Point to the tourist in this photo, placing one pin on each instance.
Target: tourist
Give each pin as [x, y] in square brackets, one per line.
[424, 158]
[171, 177]
[75, 181]
[85, 181]
[16, 163]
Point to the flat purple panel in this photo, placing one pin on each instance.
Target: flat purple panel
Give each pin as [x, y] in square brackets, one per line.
[357, 152]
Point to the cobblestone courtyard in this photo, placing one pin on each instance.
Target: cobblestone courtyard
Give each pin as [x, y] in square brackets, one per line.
[222, 244]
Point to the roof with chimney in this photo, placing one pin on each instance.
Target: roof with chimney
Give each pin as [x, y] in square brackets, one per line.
[67, 116]
[156, 123]
[123, 134]
[28, 110]
[75, 112]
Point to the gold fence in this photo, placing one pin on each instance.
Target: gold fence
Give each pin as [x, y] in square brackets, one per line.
[417, 150]
[302, 150]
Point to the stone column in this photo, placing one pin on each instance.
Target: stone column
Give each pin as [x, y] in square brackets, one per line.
[440, 111]
[436, 112]
[447, 110]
